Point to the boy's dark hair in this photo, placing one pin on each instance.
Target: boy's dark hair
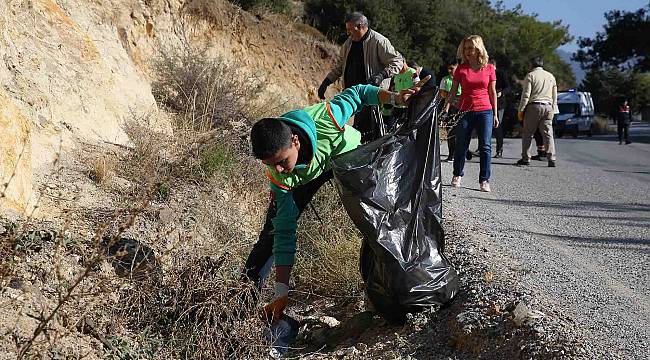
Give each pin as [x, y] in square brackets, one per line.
[537, 61]
[451, 61]
[269, 136]
[412, 64]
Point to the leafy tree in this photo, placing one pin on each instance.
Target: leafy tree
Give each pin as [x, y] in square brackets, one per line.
[604, 86]
[513, 38]
[625, 42]
[617, 61]
[609, 87]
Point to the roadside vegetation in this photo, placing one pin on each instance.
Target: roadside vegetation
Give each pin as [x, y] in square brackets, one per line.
[152, 269]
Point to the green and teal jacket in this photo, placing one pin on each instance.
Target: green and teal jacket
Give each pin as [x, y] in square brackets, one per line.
[325, 126]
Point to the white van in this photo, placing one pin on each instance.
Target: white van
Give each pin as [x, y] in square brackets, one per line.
[576, 113]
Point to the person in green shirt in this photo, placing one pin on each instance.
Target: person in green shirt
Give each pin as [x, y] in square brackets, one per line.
[296, 149]
[405, 79]
[445, 88]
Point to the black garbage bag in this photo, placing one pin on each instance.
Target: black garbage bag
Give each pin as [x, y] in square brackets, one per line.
[392, 190]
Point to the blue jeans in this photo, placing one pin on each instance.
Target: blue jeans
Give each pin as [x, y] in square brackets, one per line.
[482, 121]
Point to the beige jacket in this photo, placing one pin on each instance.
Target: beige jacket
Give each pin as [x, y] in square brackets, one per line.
[539, 86]
[379, 55]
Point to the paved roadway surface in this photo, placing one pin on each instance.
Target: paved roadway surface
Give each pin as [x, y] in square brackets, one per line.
[579, 233]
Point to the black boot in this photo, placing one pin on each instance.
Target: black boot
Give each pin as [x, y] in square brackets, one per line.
[541, 156]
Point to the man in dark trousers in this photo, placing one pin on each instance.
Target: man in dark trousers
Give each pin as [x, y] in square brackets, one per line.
[503, 88]
[367, 57]
[623, 120]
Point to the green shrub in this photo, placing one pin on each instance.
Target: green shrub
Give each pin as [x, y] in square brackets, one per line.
[217, 158]
[278, 6]
[124, 348]
[163, 191]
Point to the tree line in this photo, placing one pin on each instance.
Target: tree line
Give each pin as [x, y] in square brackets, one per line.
[617, 62]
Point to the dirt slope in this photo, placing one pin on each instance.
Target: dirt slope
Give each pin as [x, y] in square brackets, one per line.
[73, 71]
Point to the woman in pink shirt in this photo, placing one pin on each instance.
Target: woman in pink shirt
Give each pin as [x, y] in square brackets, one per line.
[478, 101]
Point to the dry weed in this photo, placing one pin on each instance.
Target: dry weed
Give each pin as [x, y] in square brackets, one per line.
[600, 126]
[197, 306]
[101, 169]
[202, 89]
[328, 256]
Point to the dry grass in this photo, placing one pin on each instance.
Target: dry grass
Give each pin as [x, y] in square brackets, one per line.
[329, 244]
[101, 169]
[190, 302]
[310, 31]
[600, 126]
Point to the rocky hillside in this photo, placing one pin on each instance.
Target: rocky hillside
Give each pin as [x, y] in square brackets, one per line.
[74, 71]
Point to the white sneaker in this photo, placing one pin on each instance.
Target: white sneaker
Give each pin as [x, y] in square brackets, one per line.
[485, 186]
[455, 181]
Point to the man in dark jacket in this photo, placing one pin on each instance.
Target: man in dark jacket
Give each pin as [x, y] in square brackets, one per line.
[623, 123]
[367, 57]
[502, 88]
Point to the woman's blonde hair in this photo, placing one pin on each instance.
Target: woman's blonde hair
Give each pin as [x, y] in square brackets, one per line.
[483, 56]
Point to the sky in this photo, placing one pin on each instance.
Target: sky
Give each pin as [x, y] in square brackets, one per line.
[584, 17]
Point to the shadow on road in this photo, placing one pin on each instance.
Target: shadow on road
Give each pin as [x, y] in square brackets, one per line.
[578, 205]
[628, 172]
[642, 245]
[462, 187]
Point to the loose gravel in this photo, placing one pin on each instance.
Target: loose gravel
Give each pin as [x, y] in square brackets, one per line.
[575, 237]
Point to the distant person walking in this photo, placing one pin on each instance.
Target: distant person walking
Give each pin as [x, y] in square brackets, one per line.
[450, 120]
[536, 109]
[623, 120]
[479, 102]
[503, 88]
[367, 57]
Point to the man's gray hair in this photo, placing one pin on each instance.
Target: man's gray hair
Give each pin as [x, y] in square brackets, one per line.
[537, 61]
[357, 18]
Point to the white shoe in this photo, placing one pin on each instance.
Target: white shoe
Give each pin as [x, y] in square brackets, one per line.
[455, 181]
[485, 186]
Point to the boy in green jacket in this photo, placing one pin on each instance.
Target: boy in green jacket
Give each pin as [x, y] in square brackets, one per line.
[296, 148]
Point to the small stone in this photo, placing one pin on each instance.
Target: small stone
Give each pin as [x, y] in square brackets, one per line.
[17, 283]
[166, 215]
[329, 321]
[362, 347]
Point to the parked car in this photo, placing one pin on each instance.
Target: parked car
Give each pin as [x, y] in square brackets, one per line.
[576, 113]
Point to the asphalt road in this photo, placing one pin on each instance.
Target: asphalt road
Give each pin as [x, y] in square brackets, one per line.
[578, 234]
